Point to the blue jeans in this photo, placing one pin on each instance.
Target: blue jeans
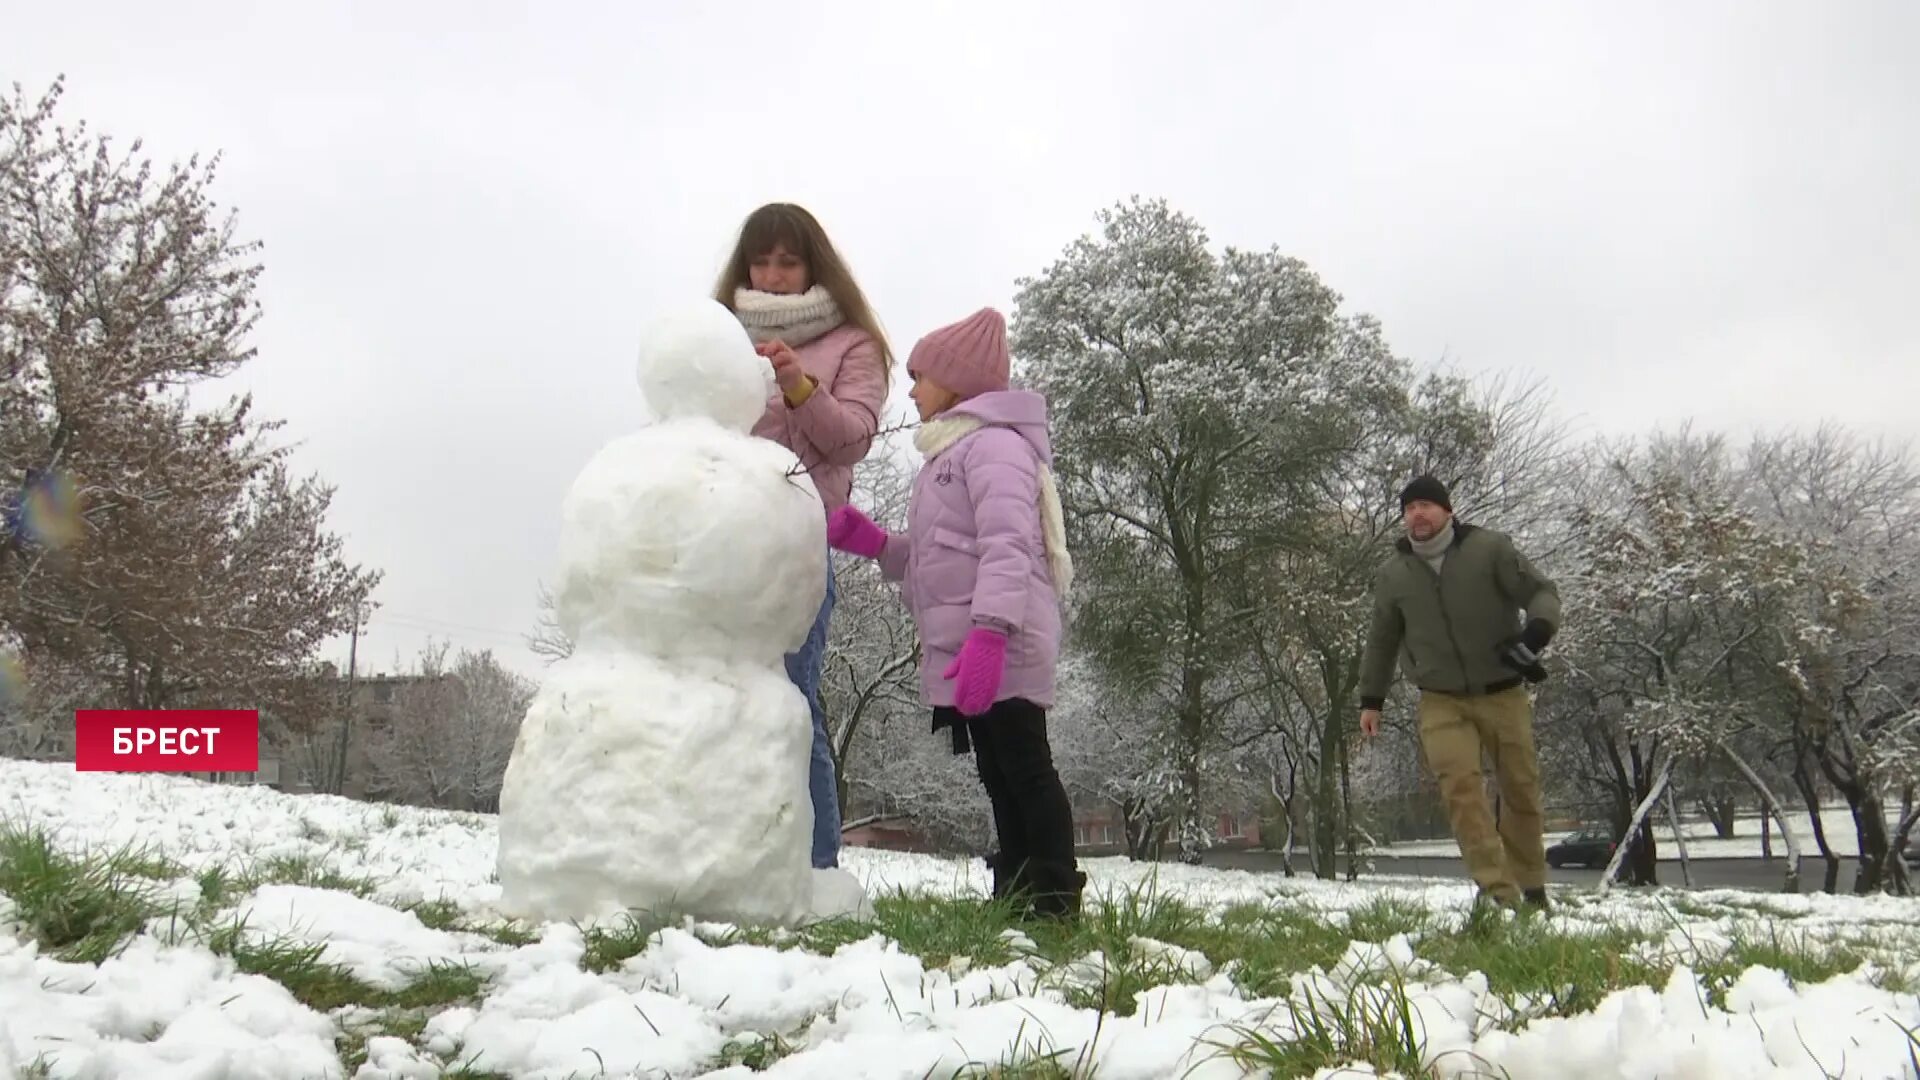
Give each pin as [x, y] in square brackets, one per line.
[805, 668]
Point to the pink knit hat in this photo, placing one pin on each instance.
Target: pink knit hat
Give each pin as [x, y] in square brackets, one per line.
[968, 357]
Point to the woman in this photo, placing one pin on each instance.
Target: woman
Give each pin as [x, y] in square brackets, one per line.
[807, 316]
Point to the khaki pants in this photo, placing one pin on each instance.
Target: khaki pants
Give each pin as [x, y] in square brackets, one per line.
[1506, 856]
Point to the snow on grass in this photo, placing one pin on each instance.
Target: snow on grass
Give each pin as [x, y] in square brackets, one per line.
[153, 926]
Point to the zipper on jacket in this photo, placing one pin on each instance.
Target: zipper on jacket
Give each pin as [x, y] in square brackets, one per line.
[1440, 593]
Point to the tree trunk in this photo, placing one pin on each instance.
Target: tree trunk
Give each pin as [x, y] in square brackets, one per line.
[1679, 840]
[1804, 781]
[1723, 811]
[1326, 846]
[1286, 811]
[1870, 825]
[1346, 815]
[1636, 826]
[1771, 810]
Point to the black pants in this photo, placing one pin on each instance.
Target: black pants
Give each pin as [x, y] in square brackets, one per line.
[1032, 818]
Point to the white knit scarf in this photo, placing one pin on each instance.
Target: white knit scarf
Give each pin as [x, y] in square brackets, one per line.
[936, 437]
[1434, 549]
[794, 319]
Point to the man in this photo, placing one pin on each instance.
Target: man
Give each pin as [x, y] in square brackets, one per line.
[1448, 605]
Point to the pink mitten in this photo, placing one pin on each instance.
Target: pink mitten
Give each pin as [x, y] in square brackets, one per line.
[853, 532]
[981, 663]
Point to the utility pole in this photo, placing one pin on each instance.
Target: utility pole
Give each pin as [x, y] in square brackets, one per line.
[337, 783]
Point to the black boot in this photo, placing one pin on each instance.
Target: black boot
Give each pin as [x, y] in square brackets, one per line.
[1010, 884]
[1536, 898]
[1056, 890]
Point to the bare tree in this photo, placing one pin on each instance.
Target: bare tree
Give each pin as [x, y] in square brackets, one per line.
[871, 672]
[452, 733]
[548, 641]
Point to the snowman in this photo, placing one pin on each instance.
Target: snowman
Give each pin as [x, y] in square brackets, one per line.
[663, 765]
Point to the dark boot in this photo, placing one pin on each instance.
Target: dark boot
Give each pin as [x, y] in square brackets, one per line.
[1536, 899]
[1056, 890]
[1010, 884]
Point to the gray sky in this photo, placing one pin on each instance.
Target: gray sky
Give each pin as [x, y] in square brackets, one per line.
[1707, 210]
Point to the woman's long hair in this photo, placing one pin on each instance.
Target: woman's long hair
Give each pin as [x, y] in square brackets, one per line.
[792, 227]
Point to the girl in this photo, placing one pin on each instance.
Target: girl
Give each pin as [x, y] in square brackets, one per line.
[983, 564]
[800, 305]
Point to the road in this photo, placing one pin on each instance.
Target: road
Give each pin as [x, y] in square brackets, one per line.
[1754, 874]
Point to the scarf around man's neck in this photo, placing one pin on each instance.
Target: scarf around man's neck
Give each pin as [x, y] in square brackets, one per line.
[1434, 548]
[794, 319]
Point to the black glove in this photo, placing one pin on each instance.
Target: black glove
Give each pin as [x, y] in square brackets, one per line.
[1521, 657]
[1537, 635]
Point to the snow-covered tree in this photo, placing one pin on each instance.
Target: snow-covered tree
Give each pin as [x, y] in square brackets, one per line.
[1199, 401]
[1848, 653]
[451, 734]
[1674, 586]
[164, 546]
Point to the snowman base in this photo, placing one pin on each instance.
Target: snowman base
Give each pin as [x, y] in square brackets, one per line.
[676, 790]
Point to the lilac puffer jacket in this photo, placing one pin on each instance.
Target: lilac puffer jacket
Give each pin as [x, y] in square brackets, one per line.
[974, 553]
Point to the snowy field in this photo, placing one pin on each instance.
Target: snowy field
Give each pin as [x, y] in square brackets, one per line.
[306, 937]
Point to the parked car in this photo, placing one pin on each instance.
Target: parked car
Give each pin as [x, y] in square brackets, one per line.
[1590, 846]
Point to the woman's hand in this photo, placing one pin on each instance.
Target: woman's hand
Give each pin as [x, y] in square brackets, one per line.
[786, 365]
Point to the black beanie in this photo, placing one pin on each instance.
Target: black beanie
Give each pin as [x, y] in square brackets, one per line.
[1428, 489]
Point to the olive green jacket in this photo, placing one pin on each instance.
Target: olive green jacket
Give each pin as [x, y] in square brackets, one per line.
[1449, 628]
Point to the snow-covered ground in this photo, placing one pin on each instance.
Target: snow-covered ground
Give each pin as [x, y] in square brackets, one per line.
[168, 1006]
[1702, 841]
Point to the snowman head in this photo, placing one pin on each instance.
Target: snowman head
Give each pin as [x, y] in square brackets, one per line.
[699, 363]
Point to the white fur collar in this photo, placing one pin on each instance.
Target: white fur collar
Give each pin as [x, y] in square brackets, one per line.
[936, 437]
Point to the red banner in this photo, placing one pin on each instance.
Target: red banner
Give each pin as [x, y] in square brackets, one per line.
[166, 740]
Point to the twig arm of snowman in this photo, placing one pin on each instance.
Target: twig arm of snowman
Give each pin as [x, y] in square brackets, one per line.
[840, 421]
[1003, 482]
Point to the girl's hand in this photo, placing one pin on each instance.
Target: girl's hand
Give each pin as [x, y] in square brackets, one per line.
[853, 532]
[786, 365]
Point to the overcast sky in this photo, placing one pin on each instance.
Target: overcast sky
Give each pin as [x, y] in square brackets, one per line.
[1670, 211]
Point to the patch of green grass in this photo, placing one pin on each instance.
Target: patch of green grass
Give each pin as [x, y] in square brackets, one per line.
[1271, 944]
[82, 909]
[610, 945]
[1370, 1024]
[293, 964]
[1801, 959]
[934, 930]
[436, 914]
[1570, 972]
[1113, 925]
[325, 986]
[308, 871]
[218, 887]
[440, 985]
[1385, 917]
